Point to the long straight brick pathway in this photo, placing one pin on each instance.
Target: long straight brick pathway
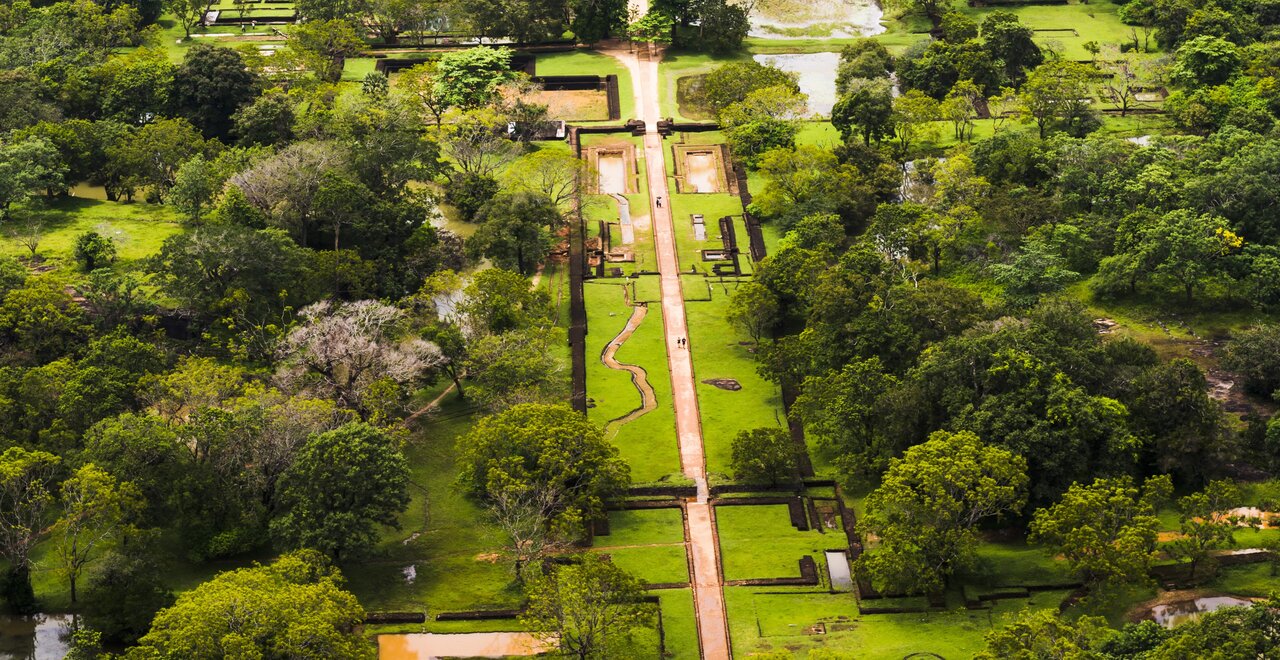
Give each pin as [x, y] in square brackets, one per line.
[708, 595]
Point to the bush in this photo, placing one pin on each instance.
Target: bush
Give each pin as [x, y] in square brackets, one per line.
[469, 192]
[94, 251]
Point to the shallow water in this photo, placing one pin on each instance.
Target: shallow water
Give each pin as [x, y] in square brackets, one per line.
[838, 569]
[816, 75]
[420, 646]
[794, 19]
[1175, 613]
[613, 173]
[39, 637]
[701, 171]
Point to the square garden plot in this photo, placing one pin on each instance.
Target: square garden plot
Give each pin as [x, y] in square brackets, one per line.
[649, 543]
[758, 541]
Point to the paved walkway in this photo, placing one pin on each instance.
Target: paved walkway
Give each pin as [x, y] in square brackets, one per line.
[713, 636]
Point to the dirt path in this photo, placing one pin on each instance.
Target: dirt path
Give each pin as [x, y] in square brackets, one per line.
[639, 377]
[713, 635]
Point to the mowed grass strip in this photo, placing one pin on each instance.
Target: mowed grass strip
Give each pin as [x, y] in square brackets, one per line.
[758, 541]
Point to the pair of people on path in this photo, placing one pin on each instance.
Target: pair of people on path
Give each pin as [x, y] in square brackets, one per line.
[682, 342]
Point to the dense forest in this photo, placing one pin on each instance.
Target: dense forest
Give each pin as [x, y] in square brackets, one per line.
[288, 302]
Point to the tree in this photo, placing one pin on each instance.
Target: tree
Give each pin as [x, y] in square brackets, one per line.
[556, 175]
[477, 143]
[1254, 354]
[863, 59]
[1106, 530]
[498, 301]
[266, 120]
[1056, 91]
[1182, 427]
[722, 26]
[294, 607]
[284, 186]
[471, 78]
[587, 609]
[655, 27]
[152, 156]
[195, 186]
[94, 251]
[515, 231]
[864, 109]
[42, 320]
[1204, 62]
[342, 484]
[595, 20]
[912, 115]
[925, 510]
[422, 86]
[123, 597]
[844, 411]
[96, 509]
[1231, 632]
[733, 82]
[190, 13]
[323, 46]
[453, 349]
[1010, 42]
[229, 270]
[961, 108]
[210, 85]
[1187, 249]
[344, 350]
[26, 166]
[1035, 634]
[26, 496]
[1205, 523]
[754, 310]
[1035, 271]
[516, 367]
[764, 455]
[1130, 75]
[545, 449]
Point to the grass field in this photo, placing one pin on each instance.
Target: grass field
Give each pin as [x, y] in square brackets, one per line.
[584, 63]
[758, 541]
[443, 535]
[647, 443]
[679, 628]
[718, 352]
[138, 229]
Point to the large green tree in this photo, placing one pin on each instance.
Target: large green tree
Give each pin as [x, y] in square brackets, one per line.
[210, 85]
[340, 488]
[925, 510]
[295, 607]
[588, 609]
[1106, 530]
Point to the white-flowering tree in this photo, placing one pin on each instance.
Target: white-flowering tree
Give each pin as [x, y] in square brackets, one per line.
[349, 351]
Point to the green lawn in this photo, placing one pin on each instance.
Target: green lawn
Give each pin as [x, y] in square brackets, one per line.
[758, 541]
[585, 63]
[679, 629]
[138, 229]
[647, 443]
[658, 564]
[443, 535]
[719, 352]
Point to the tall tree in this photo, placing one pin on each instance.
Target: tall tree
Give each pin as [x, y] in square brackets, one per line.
[588, 609]
[1106, 530]
[210, 85]
[294, 607]
[27, 494]
[96, 509]
[925, 510]
[342, 485]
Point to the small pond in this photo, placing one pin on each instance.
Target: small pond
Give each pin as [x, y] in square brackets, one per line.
[815, 73]
[39, 637]
[421, 646]
[1175, 613]
[806, 19]
[838, 569]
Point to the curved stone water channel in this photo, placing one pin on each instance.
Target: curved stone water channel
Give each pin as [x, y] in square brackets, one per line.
[639, 377]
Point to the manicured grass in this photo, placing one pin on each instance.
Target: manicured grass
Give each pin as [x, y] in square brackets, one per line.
[679, 629]
[656, 564]
[585, 63]
[138, 229]
[718, 352]
[1018, 564]
[443, 534]
[712, 206]
[643, 527]
[356, 68]
[758, 541]
[773, 619]
[647, 443]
